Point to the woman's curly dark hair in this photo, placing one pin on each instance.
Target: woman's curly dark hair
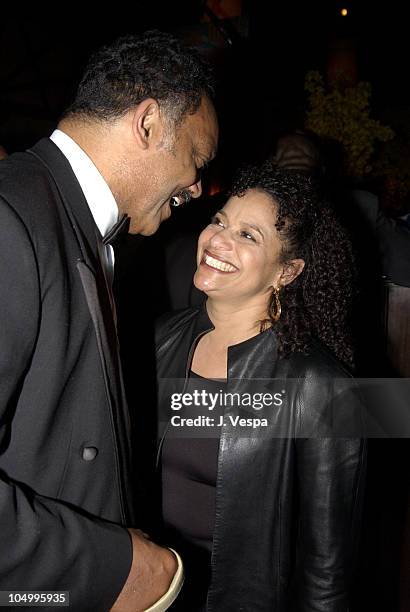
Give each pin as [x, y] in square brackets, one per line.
[318, 302]
[136, 67]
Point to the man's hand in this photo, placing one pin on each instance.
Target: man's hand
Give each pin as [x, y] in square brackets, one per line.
[151, 574]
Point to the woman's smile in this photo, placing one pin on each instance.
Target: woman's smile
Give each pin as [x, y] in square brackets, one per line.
[217, 264]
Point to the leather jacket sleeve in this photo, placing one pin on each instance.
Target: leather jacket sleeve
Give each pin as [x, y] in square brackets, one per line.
[329, 474]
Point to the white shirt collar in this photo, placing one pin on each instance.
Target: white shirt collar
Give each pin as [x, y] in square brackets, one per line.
[99, 197]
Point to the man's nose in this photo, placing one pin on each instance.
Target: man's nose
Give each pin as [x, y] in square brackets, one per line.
[196, 189]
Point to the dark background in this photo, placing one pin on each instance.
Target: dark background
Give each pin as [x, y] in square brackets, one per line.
[260, 91]
[261, 75]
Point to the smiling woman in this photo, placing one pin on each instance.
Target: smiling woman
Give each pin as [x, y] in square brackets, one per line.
[242, 242]
[252, 255]
[265, 509]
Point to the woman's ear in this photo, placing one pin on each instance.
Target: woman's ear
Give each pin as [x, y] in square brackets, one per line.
[291, 270]
[146, 123]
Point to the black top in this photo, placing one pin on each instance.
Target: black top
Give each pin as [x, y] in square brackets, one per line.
[189, 470]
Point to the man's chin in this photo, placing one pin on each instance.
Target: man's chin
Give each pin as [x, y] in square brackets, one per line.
[142, 228]
[149, 225]
[148, 232]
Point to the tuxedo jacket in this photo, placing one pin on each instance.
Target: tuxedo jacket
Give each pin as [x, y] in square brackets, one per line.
[65, 490]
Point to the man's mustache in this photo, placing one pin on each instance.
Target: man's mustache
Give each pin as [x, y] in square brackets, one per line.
[181, 198]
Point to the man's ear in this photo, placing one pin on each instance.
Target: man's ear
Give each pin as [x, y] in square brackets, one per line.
[291, 270]
[146, 123]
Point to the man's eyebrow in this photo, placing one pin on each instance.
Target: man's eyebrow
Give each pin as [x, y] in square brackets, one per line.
[200, 160]
[211, 156]
[205, 158]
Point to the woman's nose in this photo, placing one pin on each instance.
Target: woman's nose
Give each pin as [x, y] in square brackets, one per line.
[221, 239]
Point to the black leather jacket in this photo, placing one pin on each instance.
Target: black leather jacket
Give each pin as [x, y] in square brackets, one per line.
[287, 503]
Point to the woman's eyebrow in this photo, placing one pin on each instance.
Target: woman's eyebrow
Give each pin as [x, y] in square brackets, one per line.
[255, 227]
[247, 223]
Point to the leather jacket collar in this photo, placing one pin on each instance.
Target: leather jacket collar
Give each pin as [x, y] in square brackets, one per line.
[240, 356]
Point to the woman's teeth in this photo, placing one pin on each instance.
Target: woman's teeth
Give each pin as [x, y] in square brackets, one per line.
[218, 265]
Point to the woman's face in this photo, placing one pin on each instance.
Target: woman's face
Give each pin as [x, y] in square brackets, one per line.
[239, 252]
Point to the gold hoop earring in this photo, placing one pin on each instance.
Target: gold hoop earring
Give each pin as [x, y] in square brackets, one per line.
[275, 308]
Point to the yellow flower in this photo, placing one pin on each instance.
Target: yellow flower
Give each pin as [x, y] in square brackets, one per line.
[343, 114]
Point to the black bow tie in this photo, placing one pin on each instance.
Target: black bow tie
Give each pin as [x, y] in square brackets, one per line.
[117, 230]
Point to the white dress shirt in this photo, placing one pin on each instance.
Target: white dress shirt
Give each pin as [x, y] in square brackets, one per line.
[99, 197]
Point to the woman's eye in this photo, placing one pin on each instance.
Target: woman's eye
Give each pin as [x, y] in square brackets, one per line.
[247, 235]
[217, 221]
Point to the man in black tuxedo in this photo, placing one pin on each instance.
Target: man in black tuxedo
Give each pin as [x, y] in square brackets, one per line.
[131, 145]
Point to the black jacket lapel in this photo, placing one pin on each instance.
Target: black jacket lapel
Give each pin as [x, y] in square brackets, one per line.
[95, 288]
[72, 199]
